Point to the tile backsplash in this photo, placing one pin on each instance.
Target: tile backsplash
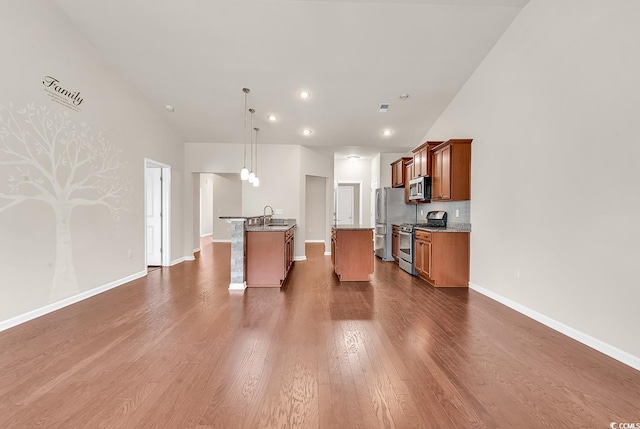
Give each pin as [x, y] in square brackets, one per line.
[463, 207]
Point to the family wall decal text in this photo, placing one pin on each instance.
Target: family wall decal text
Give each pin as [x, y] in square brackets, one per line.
[60, 94]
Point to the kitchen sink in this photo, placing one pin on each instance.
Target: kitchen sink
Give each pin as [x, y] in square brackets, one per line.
[277, 222]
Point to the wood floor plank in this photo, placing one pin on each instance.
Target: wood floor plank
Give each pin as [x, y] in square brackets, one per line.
[177, 349]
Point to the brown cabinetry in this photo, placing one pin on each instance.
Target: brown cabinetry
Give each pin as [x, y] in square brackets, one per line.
[289, 250]
[442, 258]
[451, 179]
[352, 253]
[398, 172]
[422, 253]
[422, 159]
[395, 242]
[269, 257]
[408, 168]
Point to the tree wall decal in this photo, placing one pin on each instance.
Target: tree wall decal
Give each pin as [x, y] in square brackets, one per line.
[64, 165]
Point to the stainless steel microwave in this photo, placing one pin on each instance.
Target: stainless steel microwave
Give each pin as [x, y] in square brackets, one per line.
[420, 188]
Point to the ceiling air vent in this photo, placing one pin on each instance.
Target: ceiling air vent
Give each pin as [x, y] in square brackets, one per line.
[383, 108]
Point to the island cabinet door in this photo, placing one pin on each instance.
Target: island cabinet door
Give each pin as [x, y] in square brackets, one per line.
[334, 247]
[289, 246]
[354, 254]
[418, 258]
[266, 261]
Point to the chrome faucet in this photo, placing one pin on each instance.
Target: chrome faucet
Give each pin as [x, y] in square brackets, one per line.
[264, 214]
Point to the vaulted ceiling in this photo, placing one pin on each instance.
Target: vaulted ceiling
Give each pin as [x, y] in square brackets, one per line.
[352, 56]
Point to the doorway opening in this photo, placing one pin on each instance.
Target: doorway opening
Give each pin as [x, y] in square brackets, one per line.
[157, 224]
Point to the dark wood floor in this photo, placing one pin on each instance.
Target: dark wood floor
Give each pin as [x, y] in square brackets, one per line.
[178, 350]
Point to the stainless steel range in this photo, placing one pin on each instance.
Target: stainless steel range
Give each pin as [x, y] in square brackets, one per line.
[435, 219]
[405, 248]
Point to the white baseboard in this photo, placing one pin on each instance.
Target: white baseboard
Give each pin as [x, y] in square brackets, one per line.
[196, 250]
[220, 241]
[184, 258]
[14, 321]
[327, 253]
[588, 340]
[206, 235]
[299, 258]
[314, 241]
[238, 286]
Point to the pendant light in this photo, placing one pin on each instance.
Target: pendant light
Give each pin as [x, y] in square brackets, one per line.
[252, 175]
[244, 173]
[256, 181]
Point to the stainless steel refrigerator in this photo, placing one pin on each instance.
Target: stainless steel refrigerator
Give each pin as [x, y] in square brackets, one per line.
[390, 209]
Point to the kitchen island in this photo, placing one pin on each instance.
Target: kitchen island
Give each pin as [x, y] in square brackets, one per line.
[269, 255]
[352, 252]
[270, 252]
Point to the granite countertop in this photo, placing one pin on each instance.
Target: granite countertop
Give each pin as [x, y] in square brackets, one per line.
[451, 227]
[352, 227]
[278, 225]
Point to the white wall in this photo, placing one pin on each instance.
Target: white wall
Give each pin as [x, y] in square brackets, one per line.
[359, 171]
[279, 173]
[316, 221]
[282, 170]
[39, 265]
[206, 204]
[375, 171]
[553, 111]
[227, 201]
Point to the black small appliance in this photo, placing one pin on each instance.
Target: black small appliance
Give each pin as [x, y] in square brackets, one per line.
[437, 219]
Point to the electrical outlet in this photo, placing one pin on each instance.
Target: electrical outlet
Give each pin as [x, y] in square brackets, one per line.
[278, 211]
[516, 272]
[421, 212]
[457, 213]
[129, 253]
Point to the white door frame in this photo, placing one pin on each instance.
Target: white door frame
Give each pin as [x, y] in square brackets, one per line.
[353, 182]
[166, 211]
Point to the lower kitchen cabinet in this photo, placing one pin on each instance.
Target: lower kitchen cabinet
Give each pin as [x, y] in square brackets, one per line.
[352, 253]
[442, 258]
[395, 242]
[269, 257]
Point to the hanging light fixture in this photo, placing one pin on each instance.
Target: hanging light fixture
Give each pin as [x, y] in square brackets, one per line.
[252, 175]
[256, 181]
[244, 173]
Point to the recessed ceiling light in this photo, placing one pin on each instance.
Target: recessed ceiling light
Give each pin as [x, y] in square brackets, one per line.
[307, 132]
[387, 132]
[403, 97]
[353, 158]
[304, 94]
[169, 108]
[272, 118]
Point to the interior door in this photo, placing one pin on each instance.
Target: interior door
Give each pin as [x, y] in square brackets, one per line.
[345, 205]
[154, 216]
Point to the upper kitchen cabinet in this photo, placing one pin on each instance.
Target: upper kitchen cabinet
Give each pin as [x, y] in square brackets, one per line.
[451, 177]
[422, 159]
[398, 175]
[408, 172]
